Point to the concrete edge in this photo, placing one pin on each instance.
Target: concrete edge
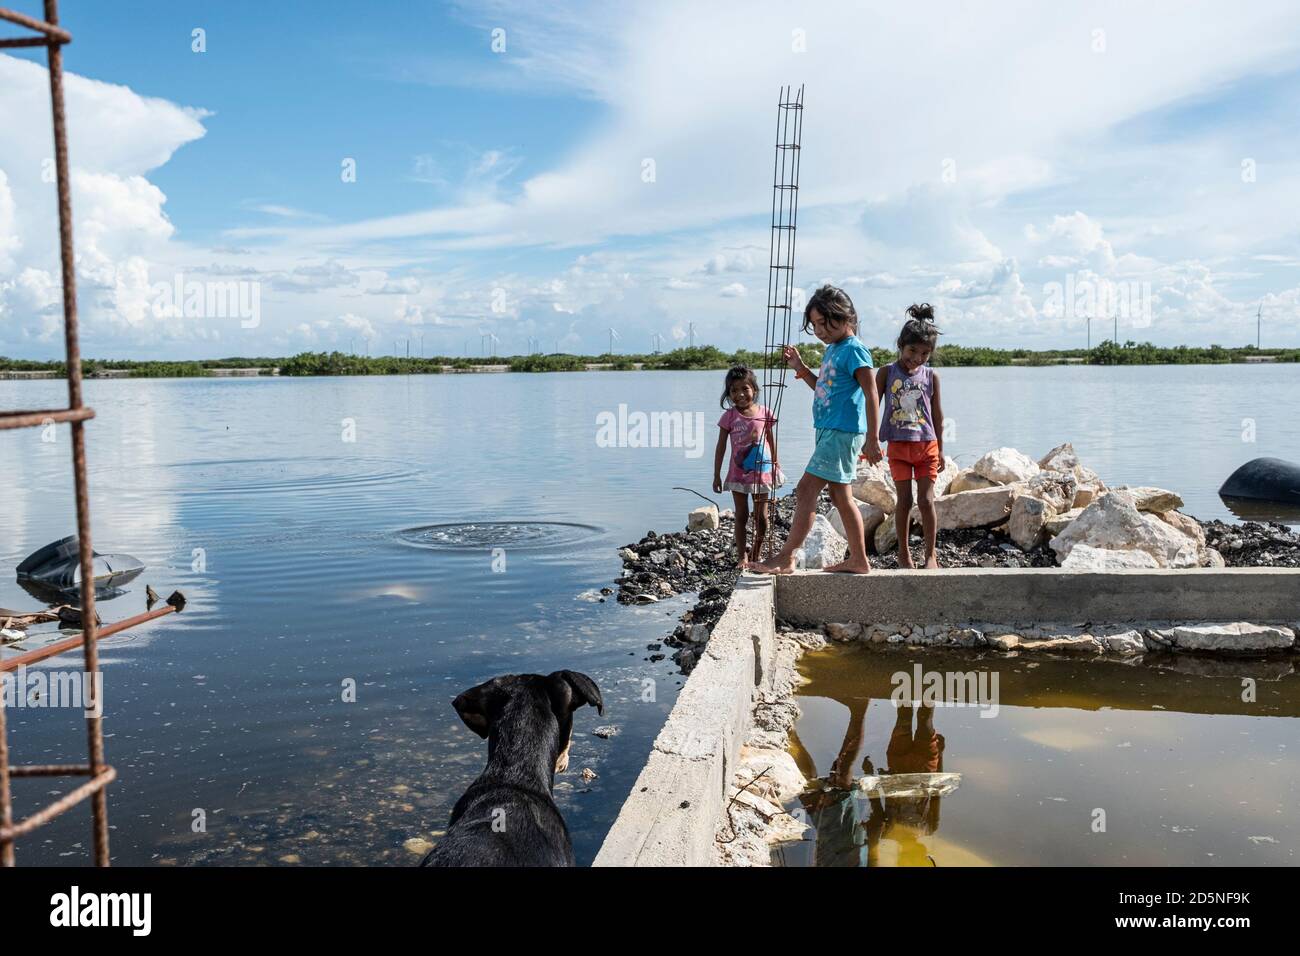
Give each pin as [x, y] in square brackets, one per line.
[669, 818]
[965, 595]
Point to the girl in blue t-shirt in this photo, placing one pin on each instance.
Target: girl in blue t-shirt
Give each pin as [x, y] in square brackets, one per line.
[846, 415]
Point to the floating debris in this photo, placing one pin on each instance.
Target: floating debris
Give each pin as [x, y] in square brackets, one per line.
[57, 568]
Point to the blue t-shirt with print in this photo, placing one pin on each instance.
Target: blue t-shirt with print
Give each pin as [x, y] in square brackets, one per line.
[839, 401]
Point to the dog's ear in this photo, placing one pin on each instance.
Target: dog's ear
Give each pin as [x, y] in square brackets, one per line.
[577, 689]
[472, 705]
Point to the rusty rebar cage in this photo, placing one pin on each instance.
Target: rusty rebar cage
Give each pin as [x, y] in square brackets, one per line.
[51, 36]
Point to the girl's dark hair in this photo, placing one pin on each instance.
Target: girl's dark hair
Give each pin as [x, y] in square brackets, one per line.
[835, 306]
[919, 329]
[739, 373]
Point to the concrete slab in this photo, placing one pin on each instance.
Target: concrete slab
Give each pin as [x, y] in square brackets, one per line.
[671, 814]
[963, 595]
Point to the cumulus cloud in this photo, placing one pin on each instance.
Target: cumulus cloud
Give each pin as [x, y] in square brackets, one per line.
[116, 137]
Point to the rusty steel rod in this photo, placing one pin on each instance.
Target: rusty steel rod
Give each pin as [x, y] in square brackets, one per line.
[51, 770]
[72, 346]
[91, 788]
[50, 29]
[71, 643]
[6, 803]
[48, 416]
[76, 414]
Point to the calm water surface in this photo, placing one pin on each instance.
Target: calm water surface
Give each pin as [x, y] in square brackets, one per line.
[1185, 772]
[307, 522]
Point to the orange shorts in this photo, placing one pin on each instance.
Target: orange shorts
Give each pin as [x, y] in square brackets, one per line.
[913, 459]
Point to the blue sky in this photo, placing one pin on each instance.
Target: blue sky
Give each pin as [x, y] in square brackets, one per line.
[982, 160]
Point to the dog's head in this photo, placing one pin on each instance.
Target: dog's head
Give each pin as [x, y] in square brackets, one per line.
[555, 696]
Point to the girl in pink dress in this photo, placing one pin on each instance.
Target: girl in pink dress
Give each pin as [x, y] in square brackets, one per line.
[753, 469]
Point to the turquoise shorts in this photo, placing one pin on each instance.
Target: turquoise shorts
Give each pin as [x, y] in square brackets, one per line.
[835, 457]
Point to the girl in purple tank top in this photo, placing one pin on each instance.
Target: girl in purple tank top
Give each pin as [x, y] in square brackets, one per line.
[912, 423]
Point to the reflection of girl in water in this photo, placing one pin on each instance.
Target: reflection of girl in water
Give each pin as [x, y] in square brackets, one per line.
[849, 824]
[905, 819]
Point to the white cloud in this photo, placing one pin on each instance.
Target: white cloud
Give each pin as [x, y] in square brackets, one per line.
[357, 325]
[115, 137]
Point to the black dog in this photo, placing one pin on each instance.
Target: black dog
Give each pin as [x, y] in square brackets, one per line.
[507, 816]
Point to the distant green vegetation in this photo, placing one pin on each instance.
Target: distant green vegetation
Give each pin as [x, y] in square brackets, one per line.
[699, 357]
[1133, 353]
[340, 363]
[547, 363]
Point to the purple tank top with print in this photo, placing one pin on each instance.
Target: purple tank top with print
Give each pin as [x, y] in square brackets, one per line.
[906, 413]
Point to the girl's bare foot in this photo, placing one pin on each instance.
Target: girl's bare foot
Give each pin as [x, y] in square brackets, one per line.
[932, 562]
[850, 566]
[775, 565]
[905, 558]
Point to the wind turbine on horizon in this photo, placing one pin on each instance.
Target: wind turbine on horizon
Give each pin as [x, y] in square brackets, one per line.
[1259, 322]
[613, 337]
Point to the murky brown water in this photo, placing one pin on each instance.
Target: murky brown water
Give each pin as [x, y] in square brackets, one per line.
[1062, 762]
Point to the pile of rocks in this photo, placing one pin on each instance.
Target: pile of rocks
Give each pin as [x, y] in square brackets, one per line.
[1233, 639]
[1054, 510]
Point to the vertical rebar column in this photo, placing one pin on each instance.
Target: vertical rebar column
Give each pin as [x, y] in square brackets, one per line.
[780, 277]
[72, 346]
[6, 799]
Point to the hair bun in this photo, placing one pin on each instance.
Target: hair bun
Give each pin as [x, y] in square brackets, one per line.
[924, 312]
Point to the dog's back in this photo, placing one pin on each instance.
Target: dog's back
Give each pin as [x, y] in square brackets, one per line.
[507, 816]
[495, 825]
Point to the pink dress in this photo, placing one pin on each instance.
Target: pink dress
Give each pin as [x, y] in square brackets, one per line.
[749, 447]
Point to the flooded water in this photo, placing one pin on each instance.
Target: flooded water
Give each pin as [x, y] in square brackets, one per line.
[1061, 762]
[413, 536]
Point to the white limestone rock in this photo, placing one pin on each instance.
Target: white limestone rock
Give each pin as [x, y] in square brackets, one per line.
[872, 516]
[978, 508]
[1006, 465]
[1057, 488]
[1058, 523]
[1113, 523]
[703, 519]
[875, 486]
[1005, 642]
[886, 537]
[1066, 644]
[1153, 500]
[967, 480]
[824, 545]
[1184, 523]
[1210, 558]
[1087, 492]
[945, 477]
[1083, 557]
[1028, 517]
[1126, 643]
[1237, 637]
[1060, 458]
